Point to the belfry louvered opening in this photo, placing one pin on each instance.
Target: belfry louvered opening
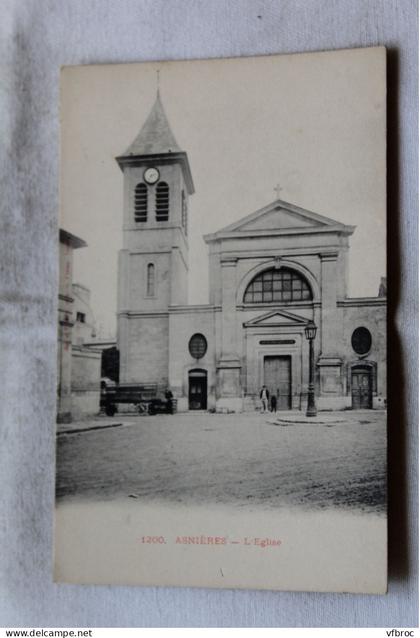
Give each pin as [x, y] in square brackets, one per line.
[140, 203]
[162, 202]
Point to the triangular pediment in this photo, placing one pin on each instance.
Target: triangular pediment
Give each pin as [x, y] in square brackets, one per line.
[281, 216]
[275, 319]
[275, 218]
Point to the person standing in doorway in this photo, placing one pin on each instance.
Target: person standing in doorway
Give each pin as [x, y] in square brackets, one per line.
[264, 396]
[273, 403]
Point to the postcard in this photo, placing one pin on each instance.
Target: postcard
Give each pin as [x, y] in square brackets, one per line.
[221, 361]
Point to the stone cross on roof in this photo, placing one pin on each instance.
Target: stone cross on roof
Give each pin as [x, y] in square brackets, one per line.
[277, 190]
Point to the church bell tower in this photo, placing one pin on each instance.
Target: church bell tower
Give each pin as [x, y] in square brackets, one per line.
[153, 263]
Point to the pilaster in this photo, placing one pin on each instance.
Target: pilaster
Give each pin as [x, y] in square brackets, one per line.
[329, 363]
[229, 367]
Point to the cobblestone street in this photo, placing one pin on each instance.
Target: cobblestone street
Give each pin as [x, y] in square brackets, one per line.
[241, 460]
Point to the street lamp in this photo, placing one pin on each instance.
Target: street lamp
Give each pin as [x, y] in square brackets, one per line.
[310, 333]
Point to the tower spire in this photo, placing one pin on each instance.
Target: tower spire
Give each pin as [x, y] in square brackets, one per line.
[156, 140]
[156, 135]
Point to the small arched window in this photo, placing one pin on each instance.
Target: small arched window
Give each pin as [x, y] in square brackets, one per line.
[277, 284]
[150, 284]
[184, 213]
[140, 203]
[162, 202]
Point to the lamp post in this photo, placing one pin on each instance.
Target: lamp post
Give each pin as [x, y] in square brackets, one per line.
[310, 333]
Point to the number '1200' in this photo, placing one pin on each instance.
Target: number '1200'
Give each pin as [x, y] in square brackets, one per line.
[153, 540]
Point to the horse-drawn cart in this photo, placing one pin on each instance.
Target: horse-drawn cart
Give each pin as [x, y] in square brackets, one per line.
[144, 397]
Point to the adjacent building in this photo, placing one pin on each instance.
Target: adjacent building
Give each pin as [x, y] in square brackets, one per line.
[78, 368]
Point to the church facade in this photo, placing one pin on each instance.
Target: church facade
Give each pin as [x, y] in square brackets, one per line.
[270, 274]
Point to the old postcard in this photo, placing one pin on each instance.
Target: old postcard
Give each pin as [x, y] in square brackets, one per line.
[221, 410]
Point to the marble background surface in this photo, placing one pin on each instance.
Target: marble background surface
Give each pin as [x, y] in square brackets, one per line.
[37, 36]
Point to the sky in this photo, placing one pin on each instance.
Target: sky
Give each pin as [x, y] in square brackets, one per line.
[312, 123]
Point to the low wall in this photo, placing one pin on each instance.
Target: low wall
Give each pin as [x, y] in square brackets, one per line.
[85, 381]
[84, 404]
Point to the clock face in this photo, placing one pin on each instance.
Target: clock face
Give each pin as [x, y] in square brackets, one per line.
[151, 175]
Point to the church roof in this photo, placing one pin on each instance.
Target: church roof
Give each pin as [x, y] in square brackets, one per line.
[156, 136]
[279, 218]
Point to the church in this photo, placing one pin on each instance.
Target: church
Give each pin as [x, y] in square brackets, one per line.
[271, 275]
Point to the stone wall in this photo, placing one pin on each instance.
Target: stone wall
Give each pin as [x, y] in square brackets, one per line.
[146, 358]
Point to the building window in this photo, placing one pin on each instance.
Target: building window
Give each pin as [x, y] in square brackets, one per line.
[150, 285]
[81, 317]
[197, 346]
[361, 340]
[162, 202]
[184, 213]
[140, 203]
[277, 284]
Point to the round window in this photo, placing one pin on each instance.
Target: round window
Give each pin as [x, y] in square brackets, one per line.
[197, 346]
[361, 340]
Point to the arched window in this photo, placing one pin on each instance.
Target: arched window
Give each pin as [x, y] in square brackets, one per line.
[184, 212]
[140, 203]
[162, 202]
[150, 284]
[277, 284]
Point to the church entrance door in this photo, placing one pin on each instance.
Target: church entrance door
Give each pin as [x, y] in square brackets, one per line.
[277, 378]
[361, 389]
[197, 390]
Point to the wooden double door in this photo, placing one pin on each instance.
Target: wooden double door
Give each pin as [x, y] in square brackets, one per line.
[361, 389]
[278, 379]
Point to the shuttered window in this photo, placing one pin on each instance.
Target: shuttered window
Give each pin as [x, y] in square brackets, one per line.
[140, 203]
[162, 202]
